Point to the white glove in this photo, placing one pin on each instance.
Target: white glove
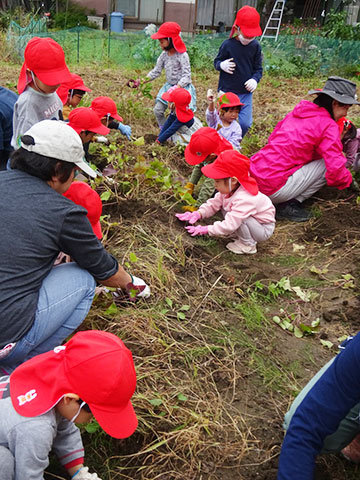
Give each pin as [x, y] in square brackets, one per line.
[102, 140]
[140, 282]
[84, 474]
[250, 85]
[228, 66]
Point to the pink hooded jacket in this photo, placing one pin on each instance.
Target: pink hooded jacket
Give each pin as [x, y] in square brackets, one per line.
[307, 133]
[236, 208]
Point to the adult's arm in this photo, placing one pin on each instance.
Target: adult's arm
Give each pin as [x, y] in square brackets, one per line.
[319, 414]
[330, 149]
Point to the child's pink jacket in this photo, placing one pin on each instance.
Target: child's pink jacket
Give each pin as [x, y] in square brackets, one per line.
[307, 133]
[237, 208]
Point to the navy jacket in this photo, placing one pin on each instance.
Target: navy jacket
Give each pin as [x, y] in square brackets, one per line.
[248, 59]
[331, 398]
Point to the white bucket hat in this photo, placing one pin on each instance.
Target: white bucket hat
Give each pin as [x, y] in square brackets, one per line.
[55, 139]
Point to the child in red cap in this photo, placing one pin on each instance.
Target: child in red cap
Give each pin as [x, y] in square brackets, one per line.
[92, 375]
[71, 93]
[175, 61]
[239, 62]
[249, 216]
[224, 119]
[86, 123]
[105, 107]
[204, 147]
[181, 123]
[43, 70]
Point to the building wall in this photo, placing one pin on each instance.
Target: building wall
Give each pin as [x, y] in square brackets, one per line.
[181, 11]
[101, 6]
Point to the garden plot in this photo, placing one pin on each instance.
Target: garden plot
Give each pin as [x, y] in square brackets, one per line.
[225, 342]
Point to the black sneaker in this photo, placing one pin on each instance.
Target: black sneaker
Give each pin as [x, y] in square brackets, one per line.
[292, 211]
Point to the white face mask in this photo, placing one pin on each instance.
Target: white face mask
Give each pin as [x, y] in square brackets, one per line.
[245, 41]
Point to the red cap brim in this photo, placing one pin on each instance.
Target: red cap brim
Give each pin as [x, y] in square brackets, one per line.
[194, 158]
[116, 424]
[54, 77]
[212, 171]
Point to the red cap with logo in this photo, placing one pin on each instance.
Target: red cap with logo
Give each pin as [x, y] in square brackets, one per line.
[82, 194]
[105, 107]
[248, 19]
[228, 100]
[231, 163]
[96, 366]
[76, 83]
[46, 59]
[181, 98]
[84, 118]
[171, 30]
[204, 142]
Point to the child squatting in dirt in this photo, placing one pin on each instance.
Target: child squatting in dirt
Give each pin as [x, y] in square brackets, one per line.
[249, 215]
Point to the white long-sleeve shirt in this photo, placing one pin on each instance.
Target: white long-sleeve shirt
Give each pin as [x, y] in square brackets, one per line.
[177, 68]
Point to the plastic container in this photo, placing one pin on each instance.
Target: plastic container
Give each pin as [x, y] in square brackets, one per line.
[116, 22]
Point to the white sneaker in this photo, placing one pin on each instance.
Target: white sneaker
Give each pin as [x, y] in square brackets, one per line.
[241, 248]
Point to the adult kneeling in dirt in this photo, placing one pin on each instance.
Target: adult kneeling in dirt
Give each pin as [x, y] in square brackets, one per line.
[324, 418]
[40, 305]
[304, 152]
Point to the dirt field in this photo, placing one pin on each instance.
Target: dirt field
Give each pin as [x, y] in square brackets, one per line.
[215, 372]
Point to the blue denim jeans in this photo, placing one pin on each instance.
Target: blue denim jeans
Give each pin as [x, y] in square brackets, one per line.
[245, 115]
[65, 297]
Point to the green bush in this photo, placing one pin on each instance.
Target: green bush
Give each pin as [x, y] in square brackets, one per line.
[72, 17]
[336, 27]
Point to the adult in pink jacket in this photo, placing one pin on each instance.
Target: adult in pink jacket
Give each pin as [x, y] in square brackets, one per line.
[304, 152]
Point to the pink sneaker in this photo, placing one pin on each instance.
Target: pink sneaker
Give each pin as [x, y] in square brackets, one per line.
[352, 451]
[241, 248]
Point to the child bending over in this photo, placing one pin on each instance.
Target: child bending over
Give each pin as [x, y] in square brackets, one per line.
[249, 216]
[93, 374]
[71, 94]
[204, 147]
[224, 119]
[180, 124]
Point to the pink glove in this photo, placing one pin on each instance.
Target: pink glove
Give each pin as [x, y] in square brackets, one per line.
[191, 217]
[171, 89]
[198, 230]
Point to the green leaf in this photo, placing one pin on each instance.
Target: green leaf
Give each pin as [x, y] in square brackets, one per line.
[133, 258]
[156, 402]
[139, 142]
[92, 427]
[181, 316]
[112, 310]
[326, 343]
[185, 308]
[315, 323]
[169, 302]
[298, 333]
[105, 195]
[182, 398]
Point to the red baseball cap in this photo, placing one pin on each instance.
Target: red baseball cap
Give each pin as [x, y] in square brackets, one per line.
[228, 100]
[181, 98]
[248, 19]
[171, 30]
[84, 118]
[82, 194]
[203, 143]
[76, 83]
[95, 365]
[46, 59]
[231, 163]
[105, 106]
